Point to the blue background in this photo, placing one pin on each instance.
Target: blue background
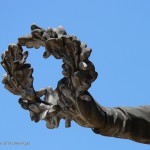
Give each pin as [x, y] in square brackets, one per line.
[118, 31]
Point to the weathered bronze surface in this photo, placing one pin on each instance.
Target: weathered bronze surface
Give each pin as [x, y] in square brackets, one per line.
[71, 99]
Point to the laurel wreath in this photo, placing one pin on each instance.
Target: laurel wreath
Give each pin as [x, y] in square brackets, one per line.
[78, 71]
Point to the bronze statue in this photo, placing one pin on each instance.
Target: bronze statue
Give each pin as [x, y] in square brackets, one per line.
[71, 99]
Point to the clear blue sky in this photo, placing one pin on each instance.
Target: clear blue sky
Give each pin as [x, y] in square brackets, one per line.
[118, 31]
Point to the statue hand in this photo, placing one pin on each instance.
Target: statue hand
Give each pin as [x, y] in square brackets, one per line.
[87, 112]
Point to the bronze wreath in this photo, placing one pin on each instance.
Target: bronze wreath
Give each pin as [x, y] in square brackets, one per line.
[78, 73]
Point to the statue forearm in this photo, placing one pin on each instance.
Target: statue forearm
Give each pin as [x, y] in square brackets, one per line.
[127, 122]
